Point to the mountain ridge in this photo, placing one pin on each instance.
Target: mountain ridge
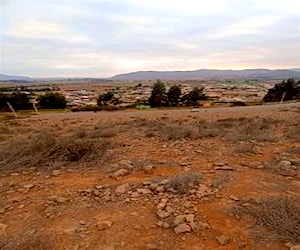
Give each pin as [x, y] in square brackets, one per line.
[211, 74]
[200, 74]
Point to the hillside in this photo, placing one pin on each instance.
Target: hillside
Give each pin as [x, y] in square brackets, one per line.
[206, 74]
[14, 78]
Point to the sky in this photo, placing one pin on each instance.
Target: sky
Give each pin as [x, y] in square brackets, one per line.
[101, 38]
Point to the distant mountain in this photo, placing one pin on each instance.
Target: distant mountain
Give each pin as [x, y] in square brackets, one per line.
[14, 78]
[206, 74]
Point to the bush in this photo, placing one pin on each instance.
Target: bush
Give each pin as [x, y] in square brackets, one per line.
[44, 149]
[158, 95]
[52, 100]
[280, 214]
[19, 101]
[284, 91]
[183, 182]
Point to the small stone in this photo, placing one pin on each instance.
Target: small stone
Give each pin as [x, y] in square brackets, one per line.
[135, 195]
[61, 199]
[169, 209]
[151, 247]
[184, 164]
[96, 192]
[163, 224]
[56, 172]
[190, 218]
[143, 191]
[223, 240]
[223, 168]
[14, 174]
[203, 225]
[121, 172]
[297, 247]
[219, 164]
[2, 228]
[148, 169]
[161, 205]
[28, 186]
[179, 220]
[233, 197]
[162, 214]
[122, 189]
[82, 222]
[160, 189]
[182, 228]
[103, 225]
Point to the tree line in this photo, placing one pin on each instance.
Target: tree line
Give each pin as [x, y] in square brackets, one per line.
[160, 97]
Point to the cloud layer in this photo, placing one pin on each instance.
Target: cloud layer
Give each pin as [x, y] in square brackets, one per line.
[100, 38]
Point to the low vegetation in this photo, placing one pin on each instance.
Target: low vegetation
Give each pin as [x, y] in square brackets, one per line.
[279, 214]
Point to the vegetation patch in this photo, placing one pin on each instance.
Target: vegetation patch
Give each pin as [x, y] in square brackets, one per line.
[279, 214]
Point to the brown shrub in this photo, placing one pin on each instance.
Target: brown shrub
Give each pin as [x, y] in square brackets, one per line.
[279, 214]
[183, 182]
[44, 149]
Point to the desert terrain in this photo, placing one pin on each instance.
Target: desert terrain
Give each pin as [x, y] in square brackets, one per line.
[224, 178]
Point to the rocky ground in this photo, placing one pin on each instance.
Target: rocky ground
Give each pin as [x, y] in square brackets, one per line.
[151, 180]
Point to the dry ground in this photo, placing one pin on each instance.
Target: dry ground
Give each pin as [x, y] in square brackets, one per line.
[214, 179]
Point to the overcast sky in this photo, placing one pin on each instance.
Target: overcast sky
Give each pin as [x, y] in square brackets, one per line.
[98, 38]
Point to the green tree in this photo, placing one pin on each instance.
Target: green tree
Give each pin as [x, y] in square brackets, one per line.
[174, 94]
[158, 94]
[52, 100]
[107, 98]
[193, 97]
[284, 91]
[18, 100]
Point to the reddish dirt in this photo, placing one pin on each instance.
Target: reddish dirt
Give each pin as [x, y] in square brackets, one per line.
[54, 213]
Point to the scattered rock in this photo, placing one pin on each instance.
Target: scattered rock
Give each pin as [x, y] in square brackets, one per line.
[28, 186]
[233, 197]
[143, 191]
[182, 228]
[151, 247]
[56, 172]
[160, 189]
[122, 189]
[148, 169]
[190, 218]
[2, 228]
[295, 247]
[163, 224]
[135, 195]
[103, 225]
[162, 214]
[223, 240]
[179, 220]
[223, 168]
[121, 172]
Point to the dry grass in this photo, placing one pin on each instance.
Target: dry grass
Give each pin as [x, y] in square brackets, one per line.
[183, 182]
[245, 149]
[278, 165]
[233, 130]
[281, 215]
[45, 148]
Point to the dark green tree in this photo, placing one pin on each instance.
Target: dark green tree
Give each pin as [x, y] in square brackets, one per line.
[107, 98]
[193, 97]
[18, 100]
[52, 100]
[284, 91]
[173, 95]
[158, 94]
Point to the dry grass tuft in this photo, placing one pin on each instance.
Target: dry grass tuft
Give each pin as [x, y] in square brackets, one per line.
[44, 149]
[183, 182]
[279, 214]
